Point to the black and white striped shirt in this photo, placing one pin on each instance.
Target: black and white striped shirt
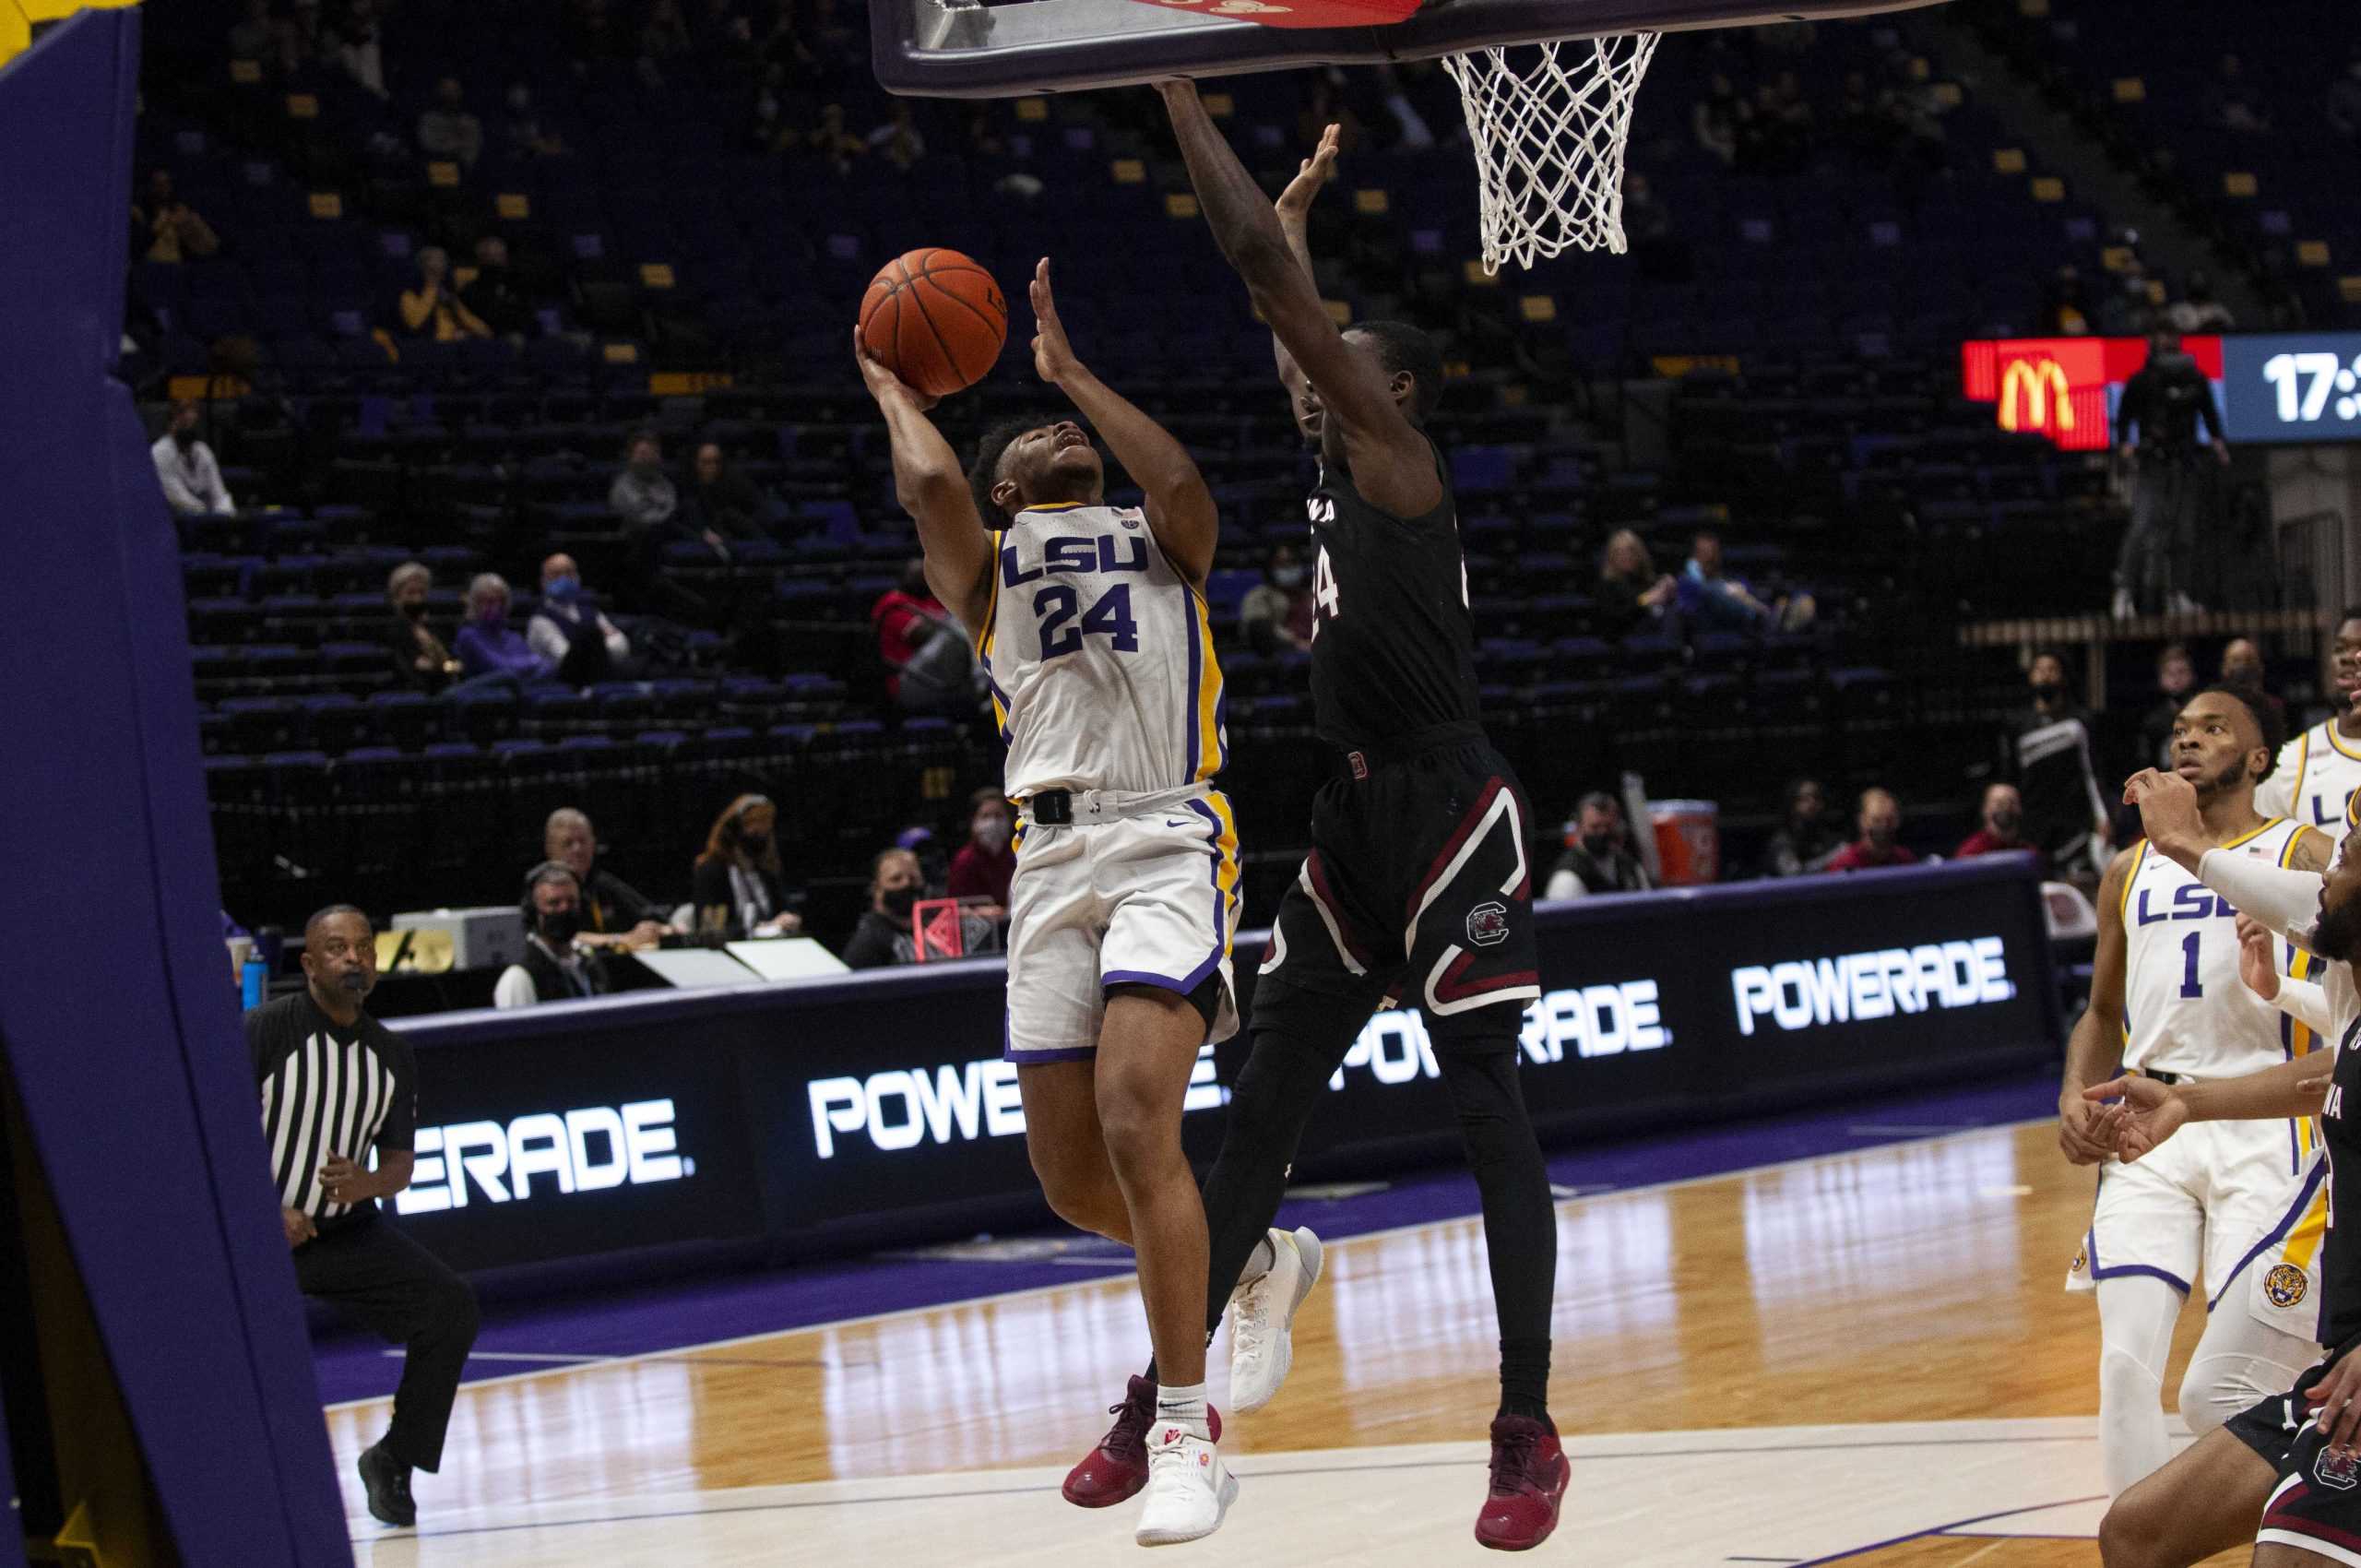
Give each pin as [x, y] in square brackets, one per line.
[327, 1090]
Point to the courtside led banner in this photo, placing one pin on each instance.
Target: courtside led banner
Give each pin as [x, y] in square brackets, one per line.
[2268, 387]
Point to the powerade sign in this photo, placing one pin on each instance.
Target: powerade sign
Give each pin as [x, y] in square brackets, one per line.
[876, 1109]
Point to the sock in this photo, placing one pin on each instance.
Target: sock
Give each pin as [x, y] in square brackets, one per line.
[1524, 1378]
[1183, 1407]
[1260, 1262]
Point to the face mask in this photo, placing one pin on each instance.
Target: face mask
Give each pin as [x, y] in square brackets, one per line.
[1881, 838]
[1598, 846]
[492, 615]
[993, 834]
[562, 587]
[1289, 576]
[415, 610]
[755, 843]
[2005, 822]
[898, 901]
[558, 929]
[183, 439]
[2048, 690]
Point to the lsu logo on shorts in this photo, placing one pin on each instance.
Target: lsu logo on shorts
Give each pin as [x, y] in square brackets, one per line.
[2082, 1261]
[2338, 1471]
[1488, 924]
[2285, 1286]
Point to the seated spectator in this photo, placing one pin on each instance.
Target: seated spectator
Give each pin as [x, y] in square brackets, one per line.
[433, 308]
[1806, 840]
[556, 967]
[1715, 601]
[1275, 615]
[722, 504]
[933, 668]
[885, 935]
[899, 141]
[614, 914]
[935, 866]
[642, 496]
[1599, 859]
[525, 135]
[1657, 251]
[740, 888]
[488, 645]
[2242, 666]
[2176, 676]
[2050, 754]
[165, 228]
[986, 863]
[570, 632]
[421, 660]
[2197, 310]
[358, 48]
[1879, 823]
[2001, 827]
[447, 130]
[1632, 595]
[186, 468]
[492, 295]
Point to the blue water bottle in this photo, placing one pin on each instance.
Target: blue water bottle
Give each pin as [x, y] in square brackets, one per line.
[254, 979]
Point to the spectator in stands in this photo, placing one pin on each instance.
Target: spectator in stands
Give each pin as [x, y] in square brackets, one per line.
[1599, 857]
[2067, 311]
[740, 888]
[722, 504]
[492, 295]
[2197, 310]
[185, 466]
[433, 308]
[642, 496]
[985, 864]
[595, 36]
[1632, 595]
[556, 967]
[358, 47]
[2242, 666]
[2000, 827]
[447, 130]
[524, 132]
[1715, 601]
[2163, 405]
[570, 632]
[899, 141]
[2127, 310]
[165, 228]
[1714, 119]
[2048, 753]
[835, 143]
[614, 914]
[1275, 615]
[1879, 821]
[923, 647]
[882, 935]
[2231, 105]
[421, 659]
[488, 645]
[1805, 840]
[2176, 674]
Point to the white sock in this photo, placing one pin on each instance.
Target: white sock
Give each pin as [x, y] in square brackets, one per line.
[1260, 1262]
[1183, 1407]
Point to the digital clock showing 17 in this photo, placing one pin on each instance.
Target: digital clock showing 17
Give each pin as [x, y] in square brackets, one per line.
[2308, 384]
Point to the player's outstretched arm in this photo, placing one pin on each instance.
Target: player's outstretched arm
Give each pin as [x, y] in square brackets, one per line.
[2140, 1113]
[1294, 212]
[928, 484]
[1180, 505]
[1392, 465]
[2095, 1046]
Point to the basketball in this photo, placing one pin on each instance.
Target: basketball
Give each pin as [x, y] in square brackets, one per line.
[934, 319]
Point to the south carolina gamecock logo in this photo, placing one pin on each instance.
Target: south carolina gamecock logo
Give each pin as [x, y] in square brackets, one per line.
[2339, 1471]
[2285, 1285]
[1487, 925]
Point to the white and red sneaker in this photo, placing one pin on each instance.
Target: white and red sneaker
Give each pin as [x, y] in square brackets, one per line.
[1529, 1475]
[1188, 1489]
[1117, 1468]
[1262, 1318]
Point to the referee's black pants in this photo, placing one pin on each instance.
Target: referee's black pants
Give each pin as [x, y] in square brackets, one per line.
[370, 1270]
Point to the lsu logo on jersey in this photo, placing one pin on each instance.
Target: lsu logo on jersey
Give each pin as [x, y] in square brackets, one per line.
[2285, 1285]
[1488, 924]
[2337, 1471]
[1076, 553]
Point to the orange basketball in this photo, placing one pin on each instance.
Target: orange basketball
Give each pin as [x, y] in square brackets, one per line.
[934, 319]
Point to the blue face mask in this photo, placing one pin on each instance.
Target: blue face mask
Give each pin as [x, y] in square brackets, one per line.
[562, 589]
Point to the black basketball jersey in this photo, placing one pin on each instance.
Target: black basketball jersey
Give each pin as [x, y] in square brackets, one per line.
[2341, 1256]
[1393, 645]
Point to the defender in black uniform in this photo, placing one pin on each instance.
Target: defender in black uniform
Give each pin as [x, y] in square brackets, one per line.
[2286, 1473]
[1419, 887]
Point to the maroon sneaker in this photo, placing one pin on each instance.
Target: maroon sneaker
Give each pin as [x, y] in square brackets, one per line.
[1117, 1468]
[1530, 1474]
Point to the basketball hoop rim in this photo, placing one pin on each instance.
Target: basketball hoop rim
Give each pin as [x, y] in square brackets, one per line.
[925, 49]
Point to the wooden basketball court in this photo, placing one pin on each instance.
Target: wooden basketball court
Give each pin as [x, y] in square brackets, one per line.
[1866, 1358]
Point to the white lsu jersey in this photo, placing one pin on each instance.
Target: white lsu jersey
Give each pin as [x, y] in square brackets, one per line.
[2185, 1009]
[1100, 657]
[2314, 783]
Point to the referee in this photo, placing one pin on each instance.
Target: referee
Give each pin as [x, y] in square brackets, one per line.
[335, 1084]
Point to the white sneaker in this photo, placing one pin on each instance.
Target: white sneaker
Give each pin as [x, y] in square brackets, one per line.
[1262, 1313]
[1188, 1489]
[2125, 609]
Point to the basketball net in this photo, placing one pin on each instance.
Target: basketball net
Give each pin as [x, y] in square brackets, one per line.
[1549, 122]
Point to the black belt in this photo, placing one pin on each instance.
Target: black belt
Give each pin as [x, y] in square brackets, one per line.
[1362, 761]
[2167, 1080]
[1052, 808]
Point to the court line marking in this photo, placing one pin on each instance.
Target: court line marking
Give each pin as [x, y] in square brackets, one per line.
[1586, 1450]
[675, 1351]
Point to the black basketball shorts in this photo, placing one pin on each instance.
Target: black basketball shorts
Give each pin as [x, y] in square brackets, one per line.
[2316, 1507]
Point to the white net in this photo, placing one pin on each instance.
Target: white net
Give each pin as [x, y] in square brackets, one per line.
[1549, 122]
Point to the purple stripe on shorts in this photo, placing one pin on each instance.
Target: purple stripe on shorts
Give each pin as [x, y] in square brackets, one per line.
[2091, 1242]
[1184, 985]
